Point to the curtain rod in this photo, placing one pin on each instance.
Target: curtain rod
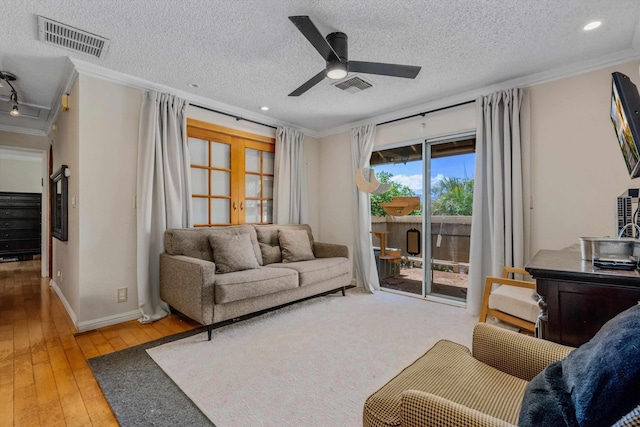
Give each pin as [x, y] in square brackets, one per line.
[238, 118]
[427, 112]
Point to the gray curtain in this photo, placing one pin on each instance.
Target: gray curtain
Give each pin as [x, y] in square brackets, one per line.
[362, 141]
[498, 222]
[290, 183]
[163, 192]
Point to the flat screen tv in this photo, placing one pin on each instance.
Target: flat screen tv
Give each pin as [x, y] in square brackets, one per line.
[625, 116]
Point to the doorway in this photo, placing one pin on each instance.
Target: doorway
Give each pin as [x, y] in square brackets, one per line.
[440, 173]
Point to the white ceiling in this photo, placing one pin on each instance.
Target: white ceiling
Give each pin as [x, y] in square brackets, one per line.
[246, 53]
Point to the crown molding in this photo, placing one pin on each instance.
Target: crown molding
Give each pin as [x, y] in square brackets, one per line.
[526, 81]
[26, 131]
[94, 70]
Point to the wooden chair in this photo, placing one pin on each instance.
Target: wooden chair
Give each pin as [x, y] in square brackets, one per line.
[512, 302]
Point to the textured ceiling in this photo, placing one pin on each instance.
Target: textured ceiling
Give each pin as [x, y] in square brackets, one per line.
[245, 53]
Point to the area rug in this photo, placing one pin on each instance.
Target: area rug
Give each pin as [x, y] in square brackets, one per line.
[140, 393]
[309, 364]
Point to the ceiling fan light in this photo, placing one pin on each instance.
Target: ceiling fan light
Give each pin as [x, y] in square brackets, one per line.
[14, 111]
[336, 70]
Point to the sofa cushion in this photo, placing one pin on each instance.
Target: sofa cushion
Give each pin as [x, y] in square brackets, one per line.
[448, 370]
[245, 284]
[194, 242]
[233, 252]
[295, 245]
[316, 270]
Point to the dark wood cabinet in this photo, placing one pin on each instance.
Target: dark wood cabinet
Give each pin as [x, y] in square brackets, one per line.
[20, 224]
[577, 299]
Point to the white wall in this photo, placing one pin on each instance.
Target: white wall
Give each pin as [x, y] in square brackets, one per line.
[21, 176]
[577, 170]
[66, 257]
[439, 123]
[11, 139]
[108, 148]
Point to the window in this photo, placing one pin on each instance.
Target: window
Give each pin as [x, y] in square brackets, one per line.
[232, 175]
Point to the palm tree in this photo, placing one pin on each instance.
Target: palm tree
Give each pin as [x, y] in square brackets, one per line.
[452, 196]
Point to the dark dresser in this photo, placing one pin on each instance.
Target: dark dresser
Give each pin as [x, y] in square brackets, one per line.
[20, 225]
[577, 299]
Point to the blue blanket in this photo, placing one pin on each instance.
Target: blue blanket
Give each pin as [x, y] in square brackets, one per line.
[596, 385]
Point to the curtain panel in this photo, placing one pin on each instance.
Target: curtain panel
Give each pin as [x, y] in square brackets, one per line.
[362, 141]
[163, 192]
[290, 203]
[498, 221]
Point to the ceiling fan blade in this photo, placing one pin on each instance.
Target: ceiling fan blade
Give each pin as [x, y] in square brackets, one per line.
[309, 83]
[309, 30]
[394, 70]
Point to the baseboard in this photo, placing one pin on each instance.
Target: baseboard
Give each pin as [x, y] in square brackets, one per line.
[89, 325]
[65, 303]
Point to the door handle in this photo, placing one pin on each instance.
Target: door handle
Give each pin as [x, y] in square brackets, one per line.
[235, 206]
[241, 206]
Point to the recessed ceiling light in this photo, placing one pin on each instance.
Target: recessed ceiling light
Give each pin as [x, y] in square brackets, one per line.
[592, 25]
[194, 85]
[264, 108]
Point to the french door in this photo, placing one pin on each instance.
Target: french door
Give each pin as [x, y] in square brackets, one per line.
[232, 175]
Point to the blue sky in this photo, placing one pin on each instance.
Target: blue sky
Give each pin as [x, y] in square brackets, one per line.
[410, 174]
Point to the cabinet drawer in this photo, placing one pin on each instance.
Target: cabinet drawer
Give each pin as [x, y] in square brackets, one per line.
[18, 213]
[20, 200]
[27, 233]
[7, 224]
[19, 245]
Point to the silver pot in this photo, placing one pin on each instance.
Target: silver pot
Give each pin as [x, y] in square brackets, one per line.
[590, 246]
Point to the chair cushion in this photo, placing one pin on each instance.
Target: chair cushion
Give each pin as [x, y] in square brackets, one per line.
[316, 270]
[515, 301]
[245, 284]
[448, 370]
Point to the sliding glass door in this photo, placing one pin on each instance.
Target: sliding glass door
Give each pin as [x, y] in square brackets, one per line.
[427, 251]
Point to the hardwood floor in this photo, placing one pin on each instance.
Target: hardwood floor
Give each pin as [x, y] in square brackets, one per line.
[45, 379]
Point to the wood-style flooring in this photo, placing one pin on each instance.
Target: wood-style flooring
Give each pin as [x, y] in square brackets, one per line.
[45, 379]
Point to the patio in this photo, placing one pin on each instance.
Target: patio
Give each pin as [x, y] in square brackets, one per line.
[450, 239]
[443, 283]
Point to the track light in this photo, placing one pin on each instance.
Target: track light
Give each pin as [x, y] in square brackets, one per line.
[9, 77]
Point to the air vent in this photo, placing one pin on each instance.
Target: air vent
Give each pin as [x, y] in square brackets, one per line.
[62, 35]
[353, 84]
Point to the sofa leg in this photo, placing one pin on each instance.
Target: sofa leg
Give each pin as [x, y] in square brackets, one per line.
[343, 294]
[209, 330]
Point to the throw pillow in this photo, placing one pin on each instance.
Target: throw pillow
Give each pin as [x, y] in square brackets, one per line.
[596, 385]
[270, 254]
[233, 252]
[295, 245]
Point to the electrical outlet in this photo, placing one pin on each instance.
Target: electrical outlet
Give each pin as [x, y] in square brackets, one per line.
[122, 295]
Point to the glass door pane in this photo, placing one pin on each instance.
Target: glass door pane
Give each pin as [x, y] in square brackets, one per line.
[400, 266]
[451, 166]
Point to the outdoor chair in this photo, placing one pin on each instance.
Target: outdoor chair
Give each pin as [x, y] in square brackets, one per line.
[513, 301]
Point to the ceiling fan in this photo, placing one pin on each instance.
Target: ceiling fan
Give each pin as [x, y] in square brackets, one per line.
[334, 50]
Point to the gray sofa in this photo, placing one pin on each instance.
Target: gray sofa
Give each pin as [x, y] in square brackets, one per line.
[219, 273]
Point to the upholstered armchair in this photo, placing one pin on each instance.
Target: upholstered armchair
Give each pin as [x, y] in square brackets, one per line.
[452, 386]
[511, 378]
